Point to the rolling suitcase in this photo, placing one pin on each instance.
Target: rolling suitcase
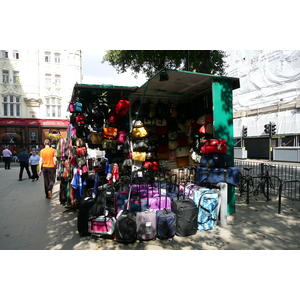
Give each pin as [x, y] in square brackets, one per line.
[208, 204]
[125, 228]
[165, 223]
[186, 217]
[146, 225]
[84, 215]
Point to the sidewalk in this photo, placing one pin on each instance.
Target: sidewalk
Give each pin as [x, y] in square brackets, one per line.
[29, 221]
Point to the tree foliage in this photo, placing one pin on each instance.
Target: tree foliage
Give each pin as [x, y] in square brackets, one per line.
[150, 62]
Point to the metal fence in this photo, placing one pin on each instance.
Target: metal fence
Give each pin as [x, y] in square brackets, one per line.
[290, 190]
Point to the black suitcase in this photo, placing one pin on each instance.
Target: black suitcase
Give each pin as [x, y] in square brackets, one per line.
[126, 228]
[83, 216]
[186, 217]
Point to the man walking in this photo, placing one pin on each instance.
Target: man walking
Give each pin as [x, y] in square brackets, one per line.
[47, 166]
[6, 158]
[24, 163]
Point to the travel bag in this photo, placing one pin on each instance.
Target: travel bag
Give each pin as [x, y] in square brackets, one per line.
[125, 228]
[102, 225]
[146, 225]
[216, 160]
[213, 146]
[215, 175]
[84, 215]
[186, 217]
[208, 204]
[165, 223]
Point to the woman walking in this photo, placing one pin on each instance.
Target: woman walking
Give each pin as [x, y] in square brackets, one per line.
[34, 160]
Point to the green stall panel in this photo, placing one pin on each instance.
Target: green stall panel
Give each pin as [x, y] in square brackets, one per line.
[223, 123]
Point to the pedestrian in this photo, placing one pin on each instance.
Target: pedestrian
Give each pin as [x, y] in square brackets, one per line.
[7, 158]
[48, 167]
[24, 163]
[34, 160]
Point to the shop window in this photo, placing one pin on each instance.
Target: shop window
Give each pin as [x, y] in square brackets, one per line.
[11, 106]
[5, 76]
[16, 77]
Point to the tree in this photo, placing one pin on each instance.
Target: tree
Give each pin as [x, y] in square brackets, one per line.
[150, 62]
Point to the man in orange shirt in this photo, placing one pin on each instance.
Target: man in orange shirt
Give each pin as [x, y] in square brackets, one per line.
[48, 167]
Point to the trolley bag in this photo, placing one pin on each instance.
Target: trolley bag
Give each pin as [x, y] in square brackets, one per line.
[125, 229]
[213, 146]
[84, 215]
[159, 202]
[165, 223]
[208, 204]
[146, 225]
[216, 160]
[186, 217]
[121, 199]
[215, 175]
[135, 203]
[102, 225]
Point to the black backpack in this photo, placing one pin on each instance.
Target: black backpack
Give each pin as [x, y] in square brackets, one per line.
[125, 228]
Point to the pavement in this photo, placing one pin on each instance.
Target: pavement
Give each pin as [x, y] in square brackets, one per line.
[29, 221]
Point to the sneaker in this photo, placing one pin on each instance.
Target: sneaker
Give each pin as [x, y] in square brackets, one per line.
[49, 194]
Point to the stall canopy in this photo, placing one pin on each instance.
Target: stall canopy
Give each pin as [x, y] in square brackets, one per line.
[179, 84]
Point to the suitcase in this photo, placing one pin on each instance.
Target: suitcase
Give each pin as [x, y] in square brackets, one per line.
[213, 146]
[84, 215]
[121, 199]
[216, 160]
[215, 175]
[165, 223]
[146, 225]
[186, 217]
[208, 204]
[125, 228]
[102, 226]
[159, 202]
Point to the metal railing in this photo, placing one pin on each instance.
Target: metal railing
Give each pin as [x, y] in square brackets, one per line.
[286, 173]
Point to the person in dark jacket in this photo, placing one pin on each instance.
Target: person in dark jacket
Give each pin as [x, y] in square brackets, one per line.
[24, 163]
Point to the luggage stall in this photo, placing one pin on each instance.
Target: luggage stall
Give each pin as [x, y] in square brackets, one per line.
[141, 161]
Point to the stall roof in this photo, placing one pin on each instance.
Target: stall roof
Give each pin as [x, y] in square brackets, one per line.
[181, 84]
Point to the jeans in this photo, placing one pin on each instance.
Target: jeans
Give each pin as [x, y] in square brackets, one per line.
[24, 165]
[6, 162]
[49, 178]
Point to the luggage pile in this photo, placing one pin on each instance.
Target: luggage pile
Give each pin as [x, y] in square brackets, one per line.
[127, 212]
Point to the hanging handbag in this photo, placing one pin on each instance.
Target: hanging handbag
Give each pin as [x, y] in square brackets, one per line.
[172, 155]
[139, 132]
[121, 138]
[182, 161]
[163, 155]
[140, 145]
[109, 144]
[96, 138]
[140, 156]
[213, 146]
[137, 124]
[80, 151]
[182, 151]
[173, 145]
[110, 132]
[161, 122]
[172, 135]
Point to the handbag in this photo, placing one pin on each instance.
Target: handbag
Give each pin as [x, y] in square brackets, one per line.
[121, 138]
[182, 151]
[172, 135]
[139, 156]
[213, 146]
[173, 145]
[110, 132]
[172, 155]
[163, 155]
[96, 137]
[109, 144]
[160, 122]
[137, 124]
[139, 132]
[140, 145]
[80, 151]
[182, 161]
[162, 148]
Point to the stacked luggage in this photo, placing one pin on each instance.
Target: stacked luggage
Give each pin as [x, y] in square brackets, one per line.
[146, 211]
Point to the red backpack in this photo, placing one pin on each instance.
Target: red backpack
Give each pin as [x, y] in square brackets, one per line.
[122, 107]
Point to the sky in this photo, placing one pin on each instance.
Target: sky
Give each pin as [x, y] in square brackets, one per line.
[96, 72]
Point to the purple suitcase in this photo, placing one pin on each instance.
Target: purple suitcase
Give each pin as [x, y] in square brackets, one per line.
[159, 202]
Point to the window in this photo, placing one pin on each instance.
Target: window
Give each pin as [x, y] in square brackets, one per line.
[16, 77]
[57, 81]
[47, 57]
[57, 58]
[5, 76]
[4, 54]
[53, 108]
[11, 106]
[16, 54]
[47, 80]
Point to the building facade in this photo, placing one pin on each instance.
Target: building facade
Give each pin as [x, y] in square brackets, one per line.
[269, 93]
[35, 89]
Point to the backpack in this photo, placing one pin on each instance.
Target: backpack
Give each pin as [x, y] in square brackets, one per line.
[122, 107]
[161, 110]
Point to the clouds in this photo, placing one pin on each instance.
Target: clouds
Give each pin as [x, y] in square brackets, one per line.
[95, 72]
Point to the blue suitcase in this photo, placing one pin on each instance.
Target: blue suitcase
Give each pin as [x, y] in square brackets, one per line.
[165, 223]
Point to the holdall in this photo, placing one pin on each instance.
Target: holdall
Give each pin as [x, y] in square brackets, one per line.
[208, 203]
[216, 160]
[84, 215]
[215, 175]
[102, 225]
[165, 223]
[110, 132]
[146, 225]
[125, 228]
[186, 217]
[213, 146]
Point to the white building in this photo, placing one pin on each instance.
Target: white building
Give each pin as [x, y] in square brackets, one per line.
[35, 89]
[269, 92]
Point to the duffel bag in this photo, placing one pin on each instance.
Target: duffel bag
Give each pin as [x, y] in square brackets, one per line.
[213, 146]
[216, 160]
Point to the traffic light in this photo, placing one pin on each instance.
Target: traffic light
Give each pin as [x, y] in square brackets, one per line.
[267, 128]
[245, 129]
[273, 128]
